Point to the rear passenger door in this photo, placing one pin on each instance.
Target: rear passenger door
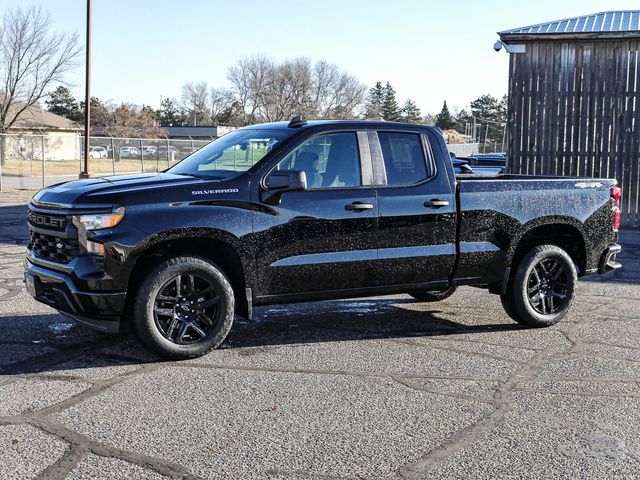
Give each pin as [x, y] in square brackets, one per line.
[417, 219]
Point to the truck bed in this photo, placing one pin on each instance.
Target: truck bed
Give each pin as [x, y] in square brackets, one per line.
[494, 211]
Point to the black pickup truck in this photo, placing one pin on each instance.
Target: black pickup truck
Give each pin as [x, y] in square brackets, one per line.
[303, 211]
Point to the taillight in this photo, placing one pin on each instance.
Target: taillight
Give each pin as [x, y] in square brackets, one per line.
[616, 193]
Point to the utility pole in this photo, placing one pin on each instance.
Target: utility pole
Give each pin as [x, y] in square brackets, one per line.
[84, 173]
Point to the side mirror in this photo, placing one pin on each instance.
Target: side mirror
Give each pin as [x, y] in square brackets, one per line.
[286, 181]
[280, 181]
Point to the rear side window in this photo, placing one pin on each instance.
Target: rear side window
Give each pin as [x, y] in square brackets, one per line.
[404, 159]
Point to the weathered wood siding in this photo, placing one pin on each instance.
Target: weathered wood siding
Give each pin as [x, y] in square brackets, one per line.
[574, 109]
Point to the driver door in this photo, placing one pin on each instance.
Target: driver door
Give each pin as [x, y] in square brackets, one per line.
[322, 238]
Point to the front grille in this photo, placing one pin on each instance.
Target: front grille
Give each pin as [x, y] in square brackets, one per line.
[53, 248]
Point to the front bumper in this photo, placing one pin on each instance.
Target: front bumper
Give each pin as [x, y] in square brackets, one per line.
[99, 310]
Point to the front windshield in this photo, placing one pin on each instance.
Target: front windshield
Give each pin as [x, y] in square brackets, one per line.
[230, 154]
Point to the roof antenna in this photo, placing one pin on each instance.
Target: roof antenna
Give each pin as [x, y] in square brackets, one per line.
[297, 122]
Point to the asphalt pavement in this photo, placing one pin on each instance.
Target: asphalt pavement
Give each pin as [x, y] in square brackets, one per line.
[383, 387]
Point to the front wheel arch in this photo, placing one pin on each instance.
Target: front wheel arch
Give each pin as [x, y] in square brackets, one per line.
[218, 251]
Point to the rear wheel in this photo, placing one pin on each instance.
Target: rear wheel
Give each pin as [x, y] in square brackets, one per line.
[184, 308]
[434, 295]
[543, 287]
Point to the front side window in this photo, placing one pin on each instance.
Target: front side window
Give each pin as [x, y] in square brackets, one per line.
[233, 153]
[404, 159]
[329, 161]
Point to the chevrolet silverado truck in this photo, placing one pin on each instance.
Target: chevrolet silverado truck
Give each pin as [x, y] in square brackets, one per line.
[303, 211]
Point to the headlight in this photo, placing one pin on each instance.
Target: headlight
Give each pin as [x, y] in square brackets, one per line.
[100, 220]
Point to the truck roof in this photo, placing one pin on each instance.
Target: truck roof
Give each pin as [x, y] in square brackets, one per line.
[354, 123]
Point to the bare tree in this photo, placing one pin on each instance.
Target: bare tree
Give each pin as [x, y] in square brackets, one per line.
[336, 94]
[31, 60]
[195, 98]
[249, 78]
[287, 90]
[265, 90]
[220, 103]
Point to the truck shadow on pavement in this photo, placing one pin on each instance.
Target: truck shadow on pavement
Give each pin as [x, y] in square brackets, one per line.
[50, 343]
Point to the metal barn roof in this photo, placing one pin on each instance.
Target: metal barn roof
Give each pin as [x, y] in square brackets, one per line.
[614, 22]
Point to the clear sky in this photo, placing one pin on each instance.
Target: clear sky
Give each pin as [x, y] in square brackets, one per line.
[428, 50]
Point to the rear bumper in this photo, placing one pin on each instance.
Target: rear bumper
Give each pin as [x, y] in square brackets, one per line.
[99, 310]
[608, 261]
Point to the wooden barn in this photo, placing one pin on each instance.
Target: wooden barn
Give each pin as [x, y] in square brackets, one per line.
[574, 100]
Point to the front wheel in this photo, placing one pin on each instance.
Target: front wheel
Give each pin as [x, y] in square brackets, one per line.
[184, 308]
[433, 295]
[543, 287]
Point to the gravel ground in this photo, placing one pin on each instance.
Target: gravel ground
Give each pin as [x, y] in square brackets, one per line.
[381, 387]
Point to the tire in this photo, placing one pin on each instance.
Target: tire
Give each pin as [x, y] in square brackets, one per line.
[185, 323]
[543, 287]
[433, 295]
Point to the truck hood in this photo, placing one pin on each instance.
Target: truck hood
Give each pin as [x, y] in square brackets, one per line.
[104, 191]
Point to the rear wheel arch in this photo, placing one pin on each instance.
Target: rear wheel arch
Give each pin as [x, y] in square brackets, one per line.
[566, 235]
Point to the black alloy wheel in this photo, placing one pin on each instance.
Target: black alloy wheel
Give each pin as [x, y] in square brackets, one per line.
[186, 309]
[547, 286]
[542, 287]
[183, 308]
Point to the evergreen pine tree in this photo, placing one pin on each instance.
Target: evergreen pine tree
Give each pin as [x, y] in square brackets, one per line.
[63, 103]
[464, 122]
[373, 109]
[390, 108]
[168, 115]
[410, 112]
[444, 120]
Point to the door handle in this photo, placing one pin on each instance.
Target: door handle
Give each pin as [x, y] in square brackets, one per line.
[435, 203]
[358, 206]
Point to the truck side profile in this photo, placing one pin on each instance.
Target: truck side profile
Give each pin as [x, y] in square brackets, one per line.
[303, 211]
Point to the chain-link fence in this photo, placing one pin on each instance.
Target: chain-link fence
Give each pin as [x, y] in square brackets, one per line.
[34, 161]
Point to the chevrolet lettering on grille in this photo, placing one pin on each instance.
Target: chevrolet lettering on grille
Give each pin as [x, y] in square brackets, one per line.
[46, 221]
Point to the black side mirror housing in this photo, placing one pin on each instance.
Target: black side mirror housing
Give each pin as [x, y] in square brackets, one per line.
[280, 181]
[286, 181]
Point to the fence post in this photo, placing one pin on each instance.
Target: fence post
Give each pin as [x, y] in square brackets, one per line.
[113, 156]
[43, 182]
[168, 162]
[3, 139]
[141, 157]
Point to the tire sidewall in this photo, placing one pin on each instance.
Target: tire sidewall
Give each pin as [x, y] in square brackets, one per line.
[522, 307]
[144, 321]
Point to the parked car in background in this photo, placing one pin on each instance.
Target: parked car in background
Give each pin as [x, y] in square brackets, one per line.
[483, 166]
[170, 151]
[97, 152]
[461, 166]
[488, 160]
[129, 152]
[149, 150]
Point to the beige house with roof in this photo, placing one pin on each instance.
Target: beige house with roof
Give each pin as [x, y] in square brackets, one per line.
[24, 139]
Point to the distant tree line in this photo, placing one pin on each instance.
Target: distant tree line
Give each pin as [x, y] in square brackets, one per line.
[487, 115]
[263, 90]
[117, 120]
